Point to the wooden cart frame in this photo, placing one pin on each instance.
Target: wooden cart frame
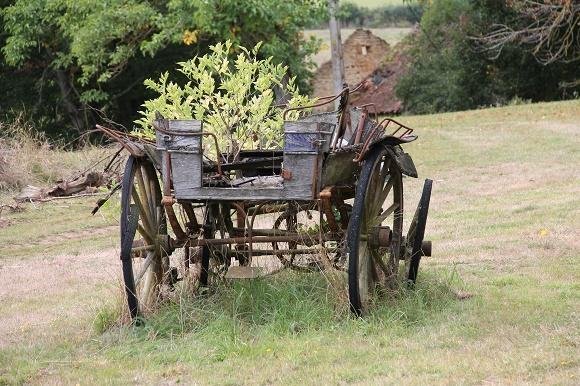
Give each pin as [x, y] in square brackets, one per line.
[344, 166]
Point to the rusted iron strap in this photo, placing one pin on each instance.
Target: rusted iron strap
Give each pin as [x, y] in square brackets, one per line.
[361, 125]
[299, 238]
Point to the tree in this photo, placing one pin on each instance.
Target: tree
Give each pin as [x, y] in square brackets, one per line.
[550, 29]
[97, 53]
[449, 71]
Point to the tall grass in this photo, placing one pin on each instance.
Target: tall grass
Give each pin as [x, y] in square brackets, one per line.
[240, 314]
[27, 157]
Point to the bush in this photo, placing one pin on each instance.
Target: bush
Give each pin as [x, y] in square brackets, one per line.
[232, 96]
[353, 15]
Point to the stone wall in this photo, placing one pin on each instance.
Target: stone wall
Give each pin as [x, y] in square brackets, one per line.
[362, 53]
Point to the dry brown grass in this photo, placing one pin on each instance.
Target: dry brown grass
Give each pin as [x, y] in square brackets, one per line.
[28, 158]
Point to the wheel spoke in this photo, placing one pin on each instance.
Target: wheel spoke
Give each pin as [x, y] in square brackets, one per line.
[380, 262]
[146, 264]
[383, 195]
[364, 276]
[383, 175]
[146, 198]
[146, 193]
[383, 216]
[143, 211]
[147, 288]
[145, 234]
[144, 189]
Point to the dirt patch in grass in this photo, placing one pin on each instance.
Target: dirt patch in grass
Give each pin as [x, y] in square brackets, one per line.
[40, 293]
[76, 235]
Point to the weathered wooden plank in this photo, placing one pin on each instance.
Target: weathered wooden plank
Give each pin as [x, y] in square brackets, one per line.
[185, 171]
[330, 118]
[304, 171]
[177, 142]
[301, 142]
[300, 127]
[230, 194]
[185, 125]
[186, 157]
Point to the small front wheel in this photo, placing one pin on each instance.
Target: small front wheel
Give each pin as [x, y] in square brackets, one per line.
[414, 241]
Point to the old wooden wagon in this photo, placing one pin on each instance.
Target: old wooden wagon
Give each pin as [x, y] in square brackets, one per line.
[333, 196]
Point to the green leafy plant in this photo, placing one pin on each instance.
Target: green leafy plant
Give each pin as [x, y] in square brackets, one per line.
[233, 95]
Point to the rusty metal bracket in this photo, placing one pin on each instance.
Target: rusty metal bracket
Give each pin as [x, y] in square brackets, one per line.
[326, 204]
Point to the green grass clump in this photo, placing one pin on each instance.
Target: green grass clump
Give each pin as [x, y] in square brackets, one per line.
[286, 304]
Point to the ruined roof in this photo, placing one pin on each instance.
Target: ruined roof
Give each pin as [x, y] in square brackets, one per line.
[368, 58]
[383, 80]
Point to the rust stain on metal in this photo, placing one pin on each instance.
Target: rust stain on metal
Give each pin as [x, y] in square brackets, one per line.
[286, 174]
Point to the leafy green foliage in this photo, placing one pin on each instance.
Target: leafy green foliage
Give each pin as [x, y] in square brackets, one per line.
[398, 14]
[233, 97]
[98, 53]
[97, 38]
[445, 74]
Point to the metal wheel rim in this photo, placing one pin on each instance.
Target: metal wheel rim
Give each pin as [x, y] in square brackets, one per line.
[147, 260]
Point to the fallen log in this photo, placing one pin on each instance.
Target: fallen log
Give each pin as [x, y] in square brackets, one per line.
[83, 185]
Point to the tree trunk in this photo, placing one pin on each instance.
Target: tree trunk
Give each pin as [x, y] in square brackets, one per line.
[66, 92]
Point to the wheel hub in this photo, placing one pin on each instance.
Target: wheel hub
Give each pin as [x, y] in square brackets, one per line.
[380, 237]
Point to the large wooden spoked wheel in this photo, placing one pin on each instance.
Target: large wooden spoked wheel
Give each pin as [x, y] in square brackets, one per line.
[144, 241]
[378, 203]
[307, 220]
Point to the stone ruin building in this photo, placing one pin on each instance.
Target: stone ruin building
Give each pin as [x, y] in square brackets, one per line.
[366, 57]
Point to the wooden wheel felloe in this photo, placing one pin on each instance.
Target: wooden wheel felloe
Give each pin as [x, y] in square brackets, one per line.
[378, 204]
[145, 245]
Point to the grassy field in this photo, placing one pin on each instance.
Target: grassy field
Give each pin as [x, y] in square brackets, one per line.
[505, 226]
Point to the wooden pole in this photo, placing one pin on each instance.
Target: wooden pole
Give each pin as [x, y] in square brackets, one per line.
[336, 49]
